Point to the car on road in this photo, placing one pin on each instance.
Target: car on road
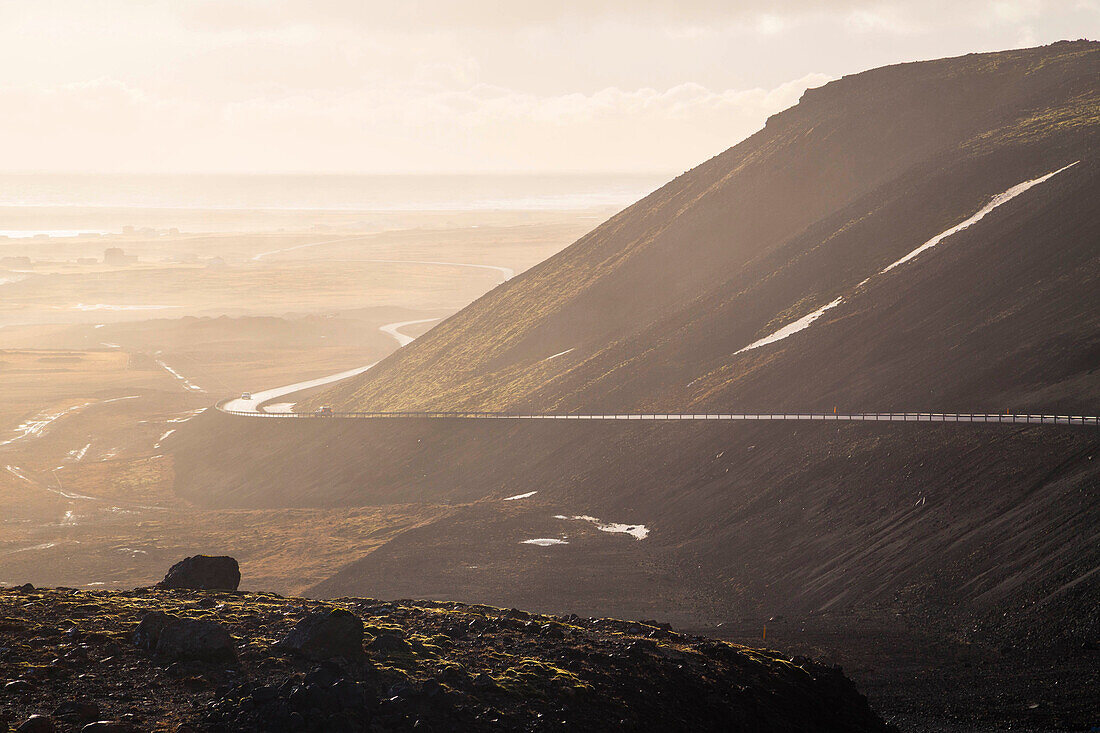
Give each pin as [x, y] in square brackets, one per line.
[324, 410]
[246, 395]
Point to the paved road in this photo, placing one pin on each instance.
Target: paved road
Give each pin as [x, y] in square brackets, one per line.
[254, 406]
[937, 417]
[393, 330]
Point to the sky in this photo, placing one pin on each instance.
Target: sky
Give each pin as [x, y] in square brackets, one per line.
[450, 86]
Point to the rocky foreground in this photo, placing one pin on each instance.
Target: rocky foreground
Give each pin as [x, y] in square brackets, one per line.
[199, 660]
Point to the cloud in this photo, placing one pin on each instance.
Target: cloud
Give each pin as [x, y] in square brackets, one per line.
[106, 125]
[422, 15]
[435, 14]
[363, 85]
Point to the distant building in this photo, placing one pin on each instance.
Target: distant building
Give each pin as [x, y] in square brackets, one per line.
[115, 256]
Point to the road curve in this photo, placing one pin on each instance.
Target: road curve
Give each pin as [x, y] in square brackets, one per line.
[391, 329]
[506, 273]
[254, 406]
[935, 417]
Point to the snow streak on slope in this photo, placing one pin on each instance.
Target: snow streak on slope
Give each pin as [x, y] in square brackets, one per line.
[1001, 198]
[791, 328]
[560, 353]
[637, 531]
[77, 454]
[994, 202]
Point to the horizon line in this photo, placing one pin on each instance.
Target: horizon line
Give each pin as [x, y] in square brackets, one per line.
[343, 174]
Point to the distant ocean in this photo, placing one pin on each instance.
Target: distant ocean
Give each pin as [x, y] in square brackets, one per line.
[326, 192]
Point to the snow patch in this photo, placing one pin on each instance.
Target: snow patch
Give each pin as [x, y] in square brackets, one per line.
[37, 425]
[187, 383]
[545, 542]
[637, 531]
[187, 416]
[77, 454]
[560, 353]
[161, 438]
[14, 471]
[520, 496]
[43, 546]
[1001, 198]
[792, 328]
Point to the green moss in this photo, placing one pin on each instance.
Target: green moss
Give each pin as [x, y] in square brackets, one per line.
[1080, 112]
[375, 629]
[535, 678]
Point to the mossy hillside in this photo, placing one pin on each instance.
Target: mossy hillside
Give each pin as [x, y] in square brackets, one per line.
[483, 667]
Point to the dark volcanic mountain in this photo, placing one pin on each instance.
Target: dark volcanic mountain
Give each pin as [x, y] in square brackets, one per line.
[654, 306]
[971, 550]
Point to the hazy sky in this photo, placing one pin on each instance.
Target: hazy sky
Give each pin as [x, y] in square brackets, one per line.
[449, 85]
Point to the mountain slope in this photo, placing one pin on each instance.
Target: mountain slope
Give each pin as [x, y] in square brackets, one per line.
[858, 174]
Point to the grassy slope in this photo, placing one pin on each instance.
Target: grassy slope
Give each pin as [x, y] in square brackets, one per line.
[662, 295]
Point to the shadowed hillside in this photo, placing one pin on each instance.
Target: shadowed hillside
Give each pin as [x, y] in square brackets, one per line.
[191, 660]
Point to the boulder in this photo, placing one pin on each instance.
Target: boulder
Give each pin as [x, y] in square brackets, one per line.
[37, 724]
[172, 637]
[388, 643]
[203, 572]
[320, 635]
[77, 711]
[109, 726]
[19, 687]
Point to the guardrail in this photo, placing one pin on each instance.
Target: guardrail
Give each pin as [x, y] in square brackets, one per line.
[841, 417]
